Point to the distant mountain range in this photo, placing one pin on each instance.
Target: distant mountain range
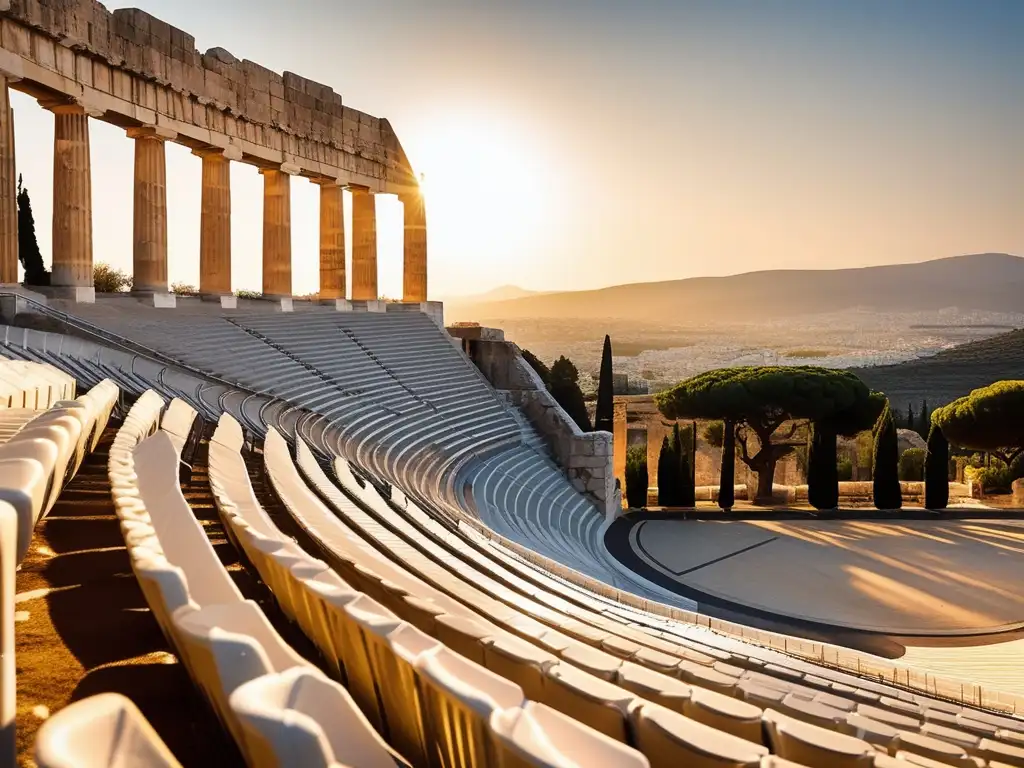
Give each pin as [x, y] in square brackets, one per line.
[986, 281]
[501, 293]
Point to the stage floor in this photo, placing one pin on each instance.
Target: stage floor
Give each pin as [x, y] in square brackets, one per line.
[902, 577]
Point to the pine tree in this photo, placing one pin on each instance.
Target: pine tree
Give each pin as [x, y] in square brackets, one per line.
[665, 467]
[726, 488]
[28, 247]
[537, 364]
[822, 470]
[605, 391]
[887, 493]
[925, 420]
[936, 471]
[564, 387]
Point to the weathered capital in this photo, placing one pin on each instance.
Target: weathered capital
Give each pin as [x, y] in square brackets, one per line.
[156, 132]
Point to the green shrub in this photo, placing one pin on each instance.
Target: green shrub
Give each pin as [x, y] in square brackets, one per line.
[911, 467]
[184, 289]
[249, 294]
[636, 477]
[844, 470]
[107, 279]
[714, 433]
[995, 478]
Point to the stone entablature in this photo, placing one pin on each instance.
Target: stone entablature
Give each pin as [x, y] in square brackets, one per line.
[131, 69]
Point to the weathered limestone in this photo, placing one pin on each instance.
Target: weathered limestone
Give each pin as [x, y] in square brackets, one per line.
[132, 68]
[414, 275]
[332, 242]
[8, 190]
[277, 234]
[150, 241]
[215, 226]
[619, 430]
[364, 246]
[72, 198]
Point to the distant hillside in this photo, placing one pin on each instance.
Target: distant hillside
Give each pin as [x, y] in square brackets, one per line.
[501, 293]
[989, 281]
[951, 373]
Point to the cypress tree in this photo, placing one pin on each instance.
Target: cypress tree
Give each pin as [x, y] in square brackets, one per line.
[925, 420]
[636, 477]
[822, 470]
[687, 493]
[887, 493]
[936, 471]
[28, 247]
[665, 467]
[726, 488]
[605, 391]
[911, 418]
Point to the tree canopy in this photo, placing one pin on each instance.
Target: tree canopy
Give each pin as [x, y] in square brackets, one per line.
[766, 396]
[537, 364]
[563, 383]
[761, 399]
[989, 419]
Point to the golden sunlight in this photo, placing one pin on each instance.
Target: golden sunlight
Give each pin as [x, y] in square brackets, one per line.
[485, 189]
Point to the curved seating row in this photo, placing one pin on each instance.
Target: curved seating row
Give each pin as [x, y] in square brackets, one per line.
[222, 639]
[923, 708]
[30, 385]
[43, 450]
[410, 685]
[798, 701]
[256, 411]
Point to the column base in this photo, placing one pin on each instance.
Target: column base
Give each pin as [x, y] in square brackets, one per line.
[226, 300]
[284, 303]
[376, 306]
[434, 310]
[159, 299]
[80, 294]
[340, 305]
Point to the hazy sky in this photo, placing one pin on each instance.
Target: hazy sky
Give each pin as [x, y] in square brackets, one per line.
[574, 144]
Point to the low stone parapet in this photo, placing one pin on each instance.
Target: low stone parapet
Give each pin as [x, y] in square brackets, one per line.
[1018, 493]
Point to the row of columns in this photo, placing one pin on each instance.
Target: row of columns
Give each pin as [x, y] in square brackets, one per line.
[72, 218]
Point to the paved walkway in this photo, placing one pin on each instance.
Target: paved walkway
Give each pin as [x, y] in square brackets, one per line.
[907, 577]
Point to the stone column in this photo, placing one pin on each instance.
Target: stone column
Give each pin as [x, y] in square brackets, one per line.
[619, 430]
[215, 225]
[72, 200]
[332, 241]
[414, 273]
[150, 244]
[364, 246]
[277, 234]
[8, 190]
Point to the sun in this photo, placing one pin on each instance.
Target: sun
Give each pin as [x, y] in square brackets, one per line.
[484, 185]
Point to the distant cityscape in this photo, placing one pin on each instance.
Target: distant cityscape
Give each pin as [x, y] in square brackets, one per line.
[651, 359]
